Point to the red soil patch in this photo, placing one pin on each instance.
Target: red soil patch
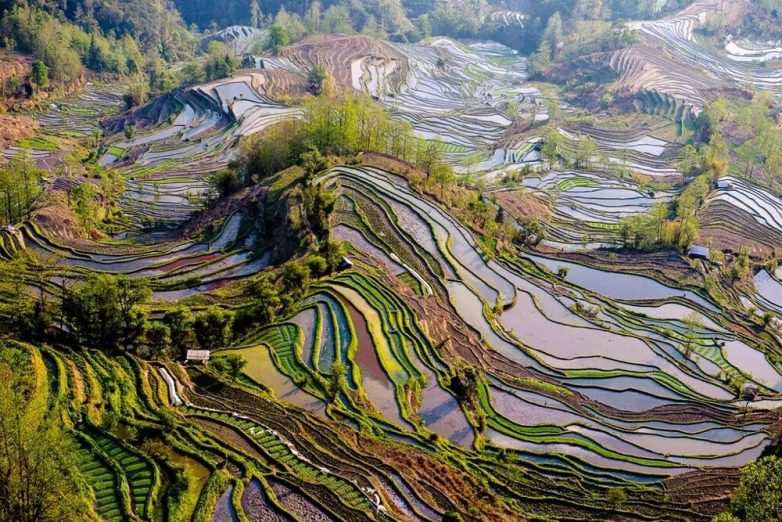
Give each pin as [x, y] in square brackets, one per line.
[278, 84]
[336, 53]
[521, 205]
[733, 10]
[55, 218]
[14, 64]
[14, 128]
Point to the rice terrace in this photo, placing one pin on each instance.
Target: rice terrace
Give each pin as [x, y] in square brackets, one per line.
[454, 260]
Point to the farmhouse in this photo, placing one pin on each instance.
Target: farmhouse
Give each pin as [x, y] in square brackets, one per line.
[345, 264]
[698, 252]
[201, 356]
[726, 184]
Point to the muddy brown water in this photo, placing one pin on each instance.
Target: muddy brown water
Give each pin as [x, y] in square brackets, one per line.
[375, 381]
[257, 507]
[224, 510]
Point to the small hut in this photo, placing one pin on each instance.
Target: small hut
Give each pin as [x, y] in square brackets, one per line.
[698, 252]
[201, 356]
[726, 184]
[345, 264]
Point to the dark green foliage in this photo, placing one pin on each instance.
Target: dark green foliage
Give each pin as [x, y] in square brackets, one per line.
[277, 39]
[103, 311]
[220, 61]
[295, 279]
[20, 185]
[759, 495]
[180, 323]
[271, 151]
[158, 338]
[231, 365]
[315, 79]
[318, 204]
[266, 303]
[40, 74]
[225, 182]
[212, 328]
[120, 37]
[465, 384]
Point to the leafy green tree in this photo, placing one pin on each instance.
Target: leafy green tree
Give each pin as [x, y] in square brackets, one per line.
[317, 265]
[158, 338]
[232, 365]
[551, 146]
[443, 175]
[585, 150]
[256, 16]
[759, 495]
[318, 202]
[20, 185]
[212, 328]
[86, 205]
[336, 20]
[193, 72]
[103, 311]
[40, 74]
[277, 39]
[266, 299]
[220, 61]
[313, 162]
[333, 252]
[291, 22]
[312, 17]
[15, 306]
[554, 33]
[37, 459]
[181, 324]
[225, 182]
[316, 78]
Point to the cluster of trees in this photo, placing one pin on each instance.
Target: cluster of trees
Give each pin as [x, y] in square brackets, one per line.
[759, 495]
[276, 294]
[135, 39]
[219, 61]
[341, 18]
[762, 20]
[37, 456]
[91, 190]
[339, 126]
[749, 128]
[763, 150]
[411, 20]
[20, 185]
[555, 148]
[374, 17]
[703, 161]
[342, 125]
[585, 31]
[104, 312]
[673, 224]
